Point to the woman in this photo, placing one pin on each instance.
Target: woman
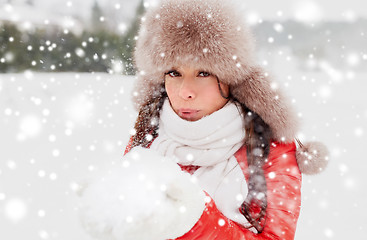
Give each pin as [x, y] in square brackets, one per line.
[202, 99]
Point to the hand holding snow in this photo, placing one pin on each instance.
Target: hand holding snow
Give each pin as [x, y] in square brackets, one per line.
[146, 196]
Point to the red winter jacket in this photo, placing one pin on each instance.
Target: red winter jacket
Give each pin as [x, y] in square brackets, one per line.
[283, 180]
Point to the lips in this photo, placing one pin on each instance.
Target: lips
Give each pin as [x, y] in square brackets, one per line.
[189, 114]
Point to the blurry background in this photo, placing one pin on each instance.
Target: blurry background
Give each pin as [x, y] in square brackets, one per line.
[66, 77]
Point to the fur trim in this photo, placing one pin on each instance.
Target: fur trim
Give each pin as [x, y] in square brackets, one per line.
[269, 103]
[312, 157]
[210, 35]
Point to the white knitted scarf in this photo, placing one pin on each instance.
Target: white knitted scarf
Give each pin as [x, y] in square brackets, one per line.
[210, 143]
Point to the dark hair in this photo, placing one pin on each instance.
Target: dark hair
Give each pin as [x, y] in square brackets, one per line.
[257, 143]
[258, 138]
[146, 124]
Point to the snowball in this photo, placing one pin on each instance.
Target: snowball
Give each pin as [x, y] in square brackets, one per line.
[140, 200]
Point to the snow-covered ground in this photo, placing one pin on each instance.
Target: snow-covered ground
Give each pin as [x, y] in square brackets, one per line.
[55, 128]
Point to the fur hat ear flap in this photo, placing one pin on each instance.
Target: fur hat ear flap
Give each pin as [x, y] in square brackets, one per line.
[262, 96]
[312, 157]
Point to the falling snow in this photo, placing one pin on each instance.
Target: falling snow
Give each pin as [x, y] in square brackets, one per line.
[56, 161]
[58, 127]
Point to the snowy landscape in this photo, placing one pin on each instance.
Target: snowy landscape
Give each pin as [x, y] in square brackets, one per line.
[58, 128]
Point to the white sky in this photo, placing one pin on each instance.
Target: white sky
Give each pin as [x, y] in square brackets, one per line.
[264, 9]
[324, 9]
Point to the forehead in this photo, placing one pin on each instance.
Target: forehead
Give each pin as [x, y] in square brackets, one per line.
[185, 65]
[185, 68]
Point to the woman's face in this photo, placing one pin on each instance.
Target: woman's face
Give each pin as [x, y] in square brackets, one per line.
[194, 93]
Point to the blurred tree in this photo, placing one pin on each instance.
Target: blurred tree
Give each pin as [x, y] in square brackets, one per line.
[129, 41]
[11, 48]
[97, 18]
[51, 48]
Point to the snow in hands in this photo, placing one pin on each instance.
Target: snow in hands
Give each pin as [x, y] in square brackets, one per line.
[141, 198]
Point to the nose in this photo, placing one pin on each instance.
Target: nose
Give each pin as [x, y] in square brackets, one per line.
[187, 89]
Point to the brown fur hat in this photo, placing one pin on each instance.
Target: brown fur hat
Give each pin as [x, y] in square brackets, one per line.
[210, 35]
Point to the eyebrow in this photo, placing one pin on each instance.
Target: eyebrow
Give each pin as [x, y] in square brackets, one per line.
[198, 71]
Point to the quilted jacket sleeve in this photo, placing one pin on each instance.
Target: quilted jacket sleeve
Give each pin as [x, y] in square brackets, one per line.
[284, 199]
[283, 180]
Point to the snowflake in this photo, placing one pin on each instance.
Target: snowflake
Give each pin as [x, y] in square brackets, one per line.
[272, 175]
[221, 222]
[329, 233]
[278, 27]
[358, 132]
[30, 126]
[41, 213]
[15, 210]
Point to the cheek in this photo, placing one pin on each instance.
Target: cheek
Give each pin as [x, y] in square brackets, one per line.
[171, 91]
[212, 93]
[169, 88]
[214, 99]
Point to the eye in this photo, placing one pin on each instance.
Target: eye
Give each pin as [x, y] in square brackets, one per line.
[204, 74]
[173, 73]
